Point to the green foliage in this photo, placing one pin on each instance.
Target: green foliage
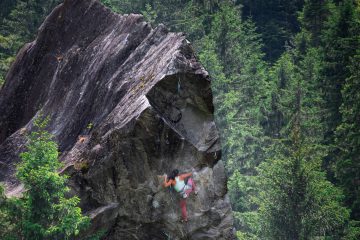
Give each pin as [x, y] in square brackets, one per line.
[348, 139]
[353, 231]
[242, 191]
[7, 45]
[5, 8]
[90, 126]
[243, 93]
[49, 214]
[43, 212]
[276, 21]
[18, 26]
[291, 192]
[210, 60]
[296, 201]
[6, 226]
[149, 14]
[313, 18]
[186, 16]
[340, 41]
[340, 85]
[116, 5]
[245, 236]
[232, 53]
[307, 86]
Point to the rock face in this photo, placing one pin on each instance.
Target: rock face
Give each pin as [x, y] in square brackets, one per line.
[127, 103]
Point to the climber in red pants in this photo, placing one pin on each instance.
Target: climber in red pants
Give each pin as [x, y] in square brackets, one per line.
[178, 182]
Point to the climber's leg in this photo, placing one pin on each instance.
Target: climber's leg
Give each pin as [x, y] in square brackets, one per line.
[183, 209]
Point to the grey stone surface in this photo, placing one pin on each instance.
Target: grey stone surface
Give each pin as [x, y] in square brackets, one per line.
[149, 104]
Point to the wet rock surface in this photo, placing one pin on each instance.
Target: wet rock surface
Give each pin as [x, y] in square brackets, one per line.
[127, 103]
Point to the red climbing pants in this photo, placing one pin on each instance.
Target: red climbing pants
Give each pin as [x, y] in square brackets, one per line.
[183, 209]
[189, 188]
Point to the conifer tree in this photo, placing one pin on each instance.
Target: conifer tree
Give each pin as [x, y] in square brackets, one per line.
[18, 27]
[245, 93]
[340, 44]
[348, 140]
[275, 20]
[241, 101]
[313, 18]
[295, 199]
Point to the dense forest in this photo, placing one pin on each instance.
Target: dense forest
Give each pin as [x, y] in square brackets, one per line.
[286, 82]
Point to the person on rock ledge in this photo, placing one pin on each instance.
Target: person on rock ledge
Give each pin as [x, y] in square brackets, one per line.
[184, 188]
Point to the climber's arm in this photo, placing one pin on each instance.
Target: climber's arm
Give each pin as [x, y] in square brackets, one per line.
[166, 182]
[184, 176]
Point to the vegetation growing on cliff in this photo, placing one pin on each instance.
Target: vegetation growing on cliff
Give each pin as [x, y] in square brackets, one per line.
[286, 82]
[43, 212]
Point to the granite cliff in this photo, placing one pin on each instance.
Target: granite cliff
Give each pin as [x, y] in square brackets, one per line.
[127, 103]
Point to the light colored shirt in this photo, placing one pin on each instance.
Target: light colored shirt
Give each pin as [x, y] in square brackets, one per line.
[179, 185]
[180, 178]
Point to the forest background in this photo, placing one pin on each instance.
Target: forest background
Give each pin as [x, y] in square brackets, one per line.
[286, 83]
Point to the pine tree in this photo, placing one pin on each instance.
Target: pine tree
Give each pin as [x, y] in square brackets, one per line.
[314, 16]
[19, 27]
[276, 21]
[348, 140]
[282, 76]
[295, 199]
[245, 92]
[241, 91]
[340, 44]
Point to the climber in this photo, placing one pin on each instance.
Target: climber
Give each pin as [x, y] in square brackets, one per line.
[178, 182]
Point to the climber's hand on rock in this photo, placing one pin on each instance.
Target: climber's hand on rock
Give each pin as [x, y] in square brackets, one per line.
[164, 176]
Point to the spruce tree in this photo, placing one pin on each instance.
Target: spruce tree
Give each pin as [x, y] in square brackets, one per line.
[340, 44]
[19, 26]
[313, 18]
[295, 199]
[245, 92]
[241, 90]
[348, 140]
[276, 21]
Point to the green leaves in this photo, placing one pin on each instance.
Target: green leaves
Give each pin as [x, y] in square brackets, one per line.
[149, 14]
[70, 219]
[43, 212]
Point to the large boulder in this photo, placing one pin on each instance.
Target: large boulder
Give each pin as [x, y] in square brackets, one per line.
[127, 103]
